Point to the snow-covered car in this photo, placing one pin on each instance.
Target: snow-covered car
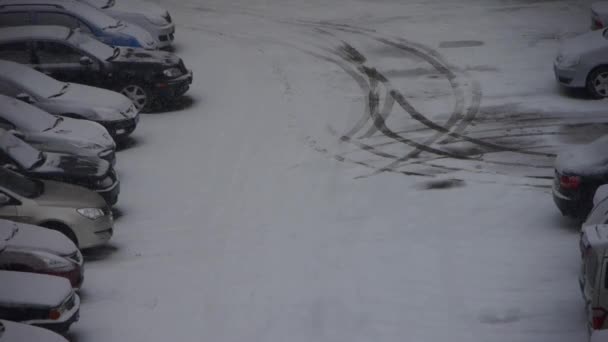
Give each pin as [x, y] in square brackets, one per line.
[593, 279]
[110, 109]
[90, 172]
[45, 301]
[147, 15]
[599, 15]
[78, 213]
[69, 56]
[579, 171]
[582, 62]
[55, 133]
[18, 332]
[75, 15]
[27, 248]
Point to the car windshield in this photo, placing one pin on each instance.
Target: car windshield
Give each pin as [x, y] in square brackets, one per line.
[21, 152]
[30, 119]
[19, 184]
[92, 46]
[35, 83]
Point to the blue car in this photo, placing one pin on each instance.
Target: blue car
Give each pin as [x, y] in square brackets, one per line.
[75, 15]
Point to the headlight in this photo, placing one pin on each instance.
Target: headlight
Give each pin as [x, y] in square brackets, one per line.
[172, 72]
[160, 21]
[91, 213]
[56, 263]
[567, 61]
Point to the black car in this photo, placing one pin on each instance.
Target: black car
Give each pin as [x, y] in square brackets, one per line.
[579, 171]
[68, 55]
[90, 172]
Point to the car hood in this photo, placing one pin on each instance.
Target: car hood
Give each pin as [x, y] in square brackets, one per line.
[583, 43]
[70, 166]
[58, 194]
[133, 55]
[31, 289]
[84, 131]
[143, 37]
[147, 9]
[23, 332]
[584, 160]
[30, 237]
[109, 105]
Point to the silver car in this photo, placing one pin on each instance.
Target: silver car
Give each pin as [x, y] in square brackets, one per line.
[582, 62]
[112, 110]
[55, 133]
[79, 213]
[147, 15]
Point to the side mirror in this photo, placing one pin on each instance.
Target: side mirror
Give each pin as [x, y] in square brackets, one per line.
[25, 98]
[4, 199]
[86, 61]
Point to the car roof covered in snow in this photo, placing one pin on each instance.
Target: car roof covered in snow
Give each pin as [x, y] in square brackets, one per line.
[14, 332]
[18, 289]
[85, 11]
[17, 33]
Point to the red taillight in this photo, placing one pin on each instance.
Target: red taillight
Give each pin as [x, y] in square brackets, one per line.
[598, 24]
[54, 314]
[569, 182]
[599, 317]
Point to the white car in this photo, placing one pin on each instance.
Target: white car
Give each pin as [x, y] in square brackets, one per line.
[55, 133]
[147, 15]
[112, 110]
[582, 62]
[41, 300]
[17, 332]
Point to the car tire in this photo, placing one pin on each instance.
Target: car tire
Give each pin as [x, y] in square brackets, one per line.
[138, 94]
[597, 82]
[63, 229]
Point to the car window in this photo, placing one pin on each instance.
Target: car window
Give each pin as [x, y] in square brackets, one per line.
[14, 19]
[15, 52]
[56, 53]
[62, 19]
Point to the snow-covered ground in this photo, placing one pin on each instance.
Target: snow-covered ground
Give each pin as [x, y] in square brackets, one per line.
[350, 170]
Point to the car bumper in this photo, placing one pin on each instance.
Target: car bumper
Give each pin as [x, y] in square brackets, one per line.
[110, 195]
[569, 206]
[570, 77]
[109, 156]
[121, 129]
[64, 322]
[173, 88]
[94, 233]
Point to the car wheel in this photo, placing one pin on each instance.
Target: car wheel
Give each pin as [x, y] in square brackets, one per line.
[138, 94]
[597, 82]
[63, 229]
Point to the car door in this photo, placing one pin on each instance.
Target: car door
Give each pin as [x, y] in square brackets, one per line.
[58, 60]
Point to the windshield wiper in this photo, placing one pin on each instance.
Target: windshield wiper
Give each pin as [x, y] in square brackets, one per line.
[109, 4]
[115, 54]
[40, 161]
[55, 124]
[61, 92]
[118, 24]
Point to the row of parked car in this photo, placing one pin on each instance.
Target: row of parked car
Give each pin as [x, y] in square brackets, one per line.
[580, 186]
[74, 77]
